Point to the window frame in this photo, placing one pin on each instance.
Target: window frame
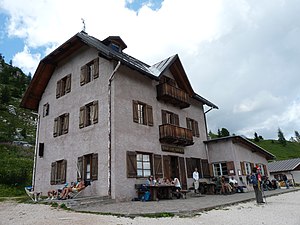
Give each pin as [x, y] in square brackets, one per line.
[89, 114]
[58, 172]
[142, 113]
[192, 125]
[61, 125]
[87, 167]
[63, 86]
[89, 71]
[145, 172]
[46, 109]
[169, 117]
[220, 169]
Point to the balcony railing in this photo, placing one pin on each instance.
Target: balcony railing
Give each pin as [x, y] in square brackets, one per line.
[173, 95]
[171, 134]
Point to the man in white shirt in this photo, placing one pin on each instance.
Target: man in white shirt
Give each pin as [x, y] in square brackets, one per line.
[196, 180]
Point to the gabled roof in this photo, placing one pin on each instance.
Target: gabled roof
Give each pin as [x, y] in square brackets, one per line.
[284, 165]
[244, 141]
[47, 66]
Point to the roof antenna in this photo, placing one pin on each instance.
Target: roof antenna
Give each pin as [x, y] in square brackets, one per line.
[83, 22]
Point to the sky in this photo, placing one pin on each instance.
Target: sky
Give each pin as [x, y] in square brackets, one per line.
[242, 55]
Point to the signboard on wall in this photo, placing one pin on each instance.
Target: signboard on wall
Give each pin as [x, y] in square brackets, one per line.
[175, 149]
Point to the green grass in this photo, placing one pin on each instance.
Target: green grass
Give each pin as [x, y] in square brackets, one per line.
[291, 150]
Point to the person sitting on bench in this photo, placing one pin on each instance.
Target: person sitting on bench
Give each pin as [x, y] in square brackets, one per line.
[79, 187]
[177, 187]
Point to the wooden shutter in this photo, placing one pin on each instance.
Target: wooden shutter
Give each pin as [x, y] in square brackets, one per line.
[265, 170]
[196, 128]
[131, 165]
[164, 117]
[66, 123]
[63, 172]
[176, 119]
[205, 168]
[95, 112]
[158, 166]
[58, 89]
[211, 172]
[135, 111]
[182, 172]
[230, 168]
[53, 173]
[95, 166]
[96, 68]
[55, 127]
[252, 166]
[188, 124]
[82, 117]
[243, 168]
[189, 165]
[149, 115]
[83, 74]
[79, 167]
[166, 166]
[68, 83]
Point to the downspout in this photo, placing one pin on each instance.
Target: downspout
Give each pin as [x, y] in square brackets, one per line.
[109, 125]
[206, 148]
[35, 150]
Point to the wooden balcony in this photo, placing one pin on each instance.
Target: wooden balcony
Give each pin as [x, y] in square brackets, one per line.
[173, 95]
[171, 134]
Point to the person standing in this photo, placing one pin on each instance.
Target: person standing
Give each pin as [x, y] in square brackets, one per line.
[196, 180]
[256, 183]
[286, 181]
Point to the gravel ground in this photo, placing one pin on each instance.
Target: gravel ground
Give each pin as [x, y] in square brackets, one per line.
[281, 209]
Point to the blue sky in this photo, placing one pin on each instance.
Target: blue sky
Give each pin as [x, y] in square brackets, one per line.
[242, 55]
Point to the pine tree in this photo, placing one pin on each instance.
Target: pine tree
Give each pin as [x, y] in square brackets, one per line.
[297, 136]
[281, 138]
[256, 138]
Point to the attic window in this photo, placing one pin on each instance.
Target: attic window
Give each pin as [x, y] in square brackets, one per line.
[115, 47]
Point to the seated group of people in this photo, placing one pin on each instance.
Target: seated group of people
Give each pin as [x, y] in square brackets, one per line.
[165, 181]
[229, 187]
[63, 193]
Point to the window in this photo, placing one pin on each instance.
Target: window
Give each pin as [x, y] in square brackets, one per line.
[115, 47]
[142, 113]
[46, 110]
[63, 86]
[220, 169]
[58, 172]
[143, 165]
[169, 118]
[193, 125]
[140, 165]
[61, 125]
[89, 72]
[248, 168]
[191, 164]
[88, 114]
[87, 167]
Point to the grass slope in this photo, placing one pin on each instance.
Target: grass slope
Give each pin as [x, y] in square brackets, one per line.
[291, 150]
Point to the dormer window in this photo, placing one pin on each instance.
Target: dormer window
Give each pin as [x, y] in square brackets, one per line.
[115, 47]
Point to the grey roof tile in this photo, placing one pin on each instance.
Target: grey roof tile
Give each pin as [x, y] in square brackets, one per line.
[283, 165]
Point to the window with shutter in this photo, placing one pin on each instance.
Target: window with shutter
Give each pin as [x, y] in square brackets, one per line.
[61, 125]
[89, 71]
[220, 169]
[88, 114]
[79, 168]
[63, 86]
[142, 113]
[169, 118]
[58, 172]
[192, 125]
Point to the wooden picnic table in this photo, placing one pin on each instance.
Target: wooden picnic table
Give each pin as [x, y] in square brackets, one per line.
[162, 191]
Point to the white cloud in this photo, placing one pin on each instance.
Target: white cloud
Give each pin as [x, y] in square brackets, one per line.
[27, 61]
[243, 55]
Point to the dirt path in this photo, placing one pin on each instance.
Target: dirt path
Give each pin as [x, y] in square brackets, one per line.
[281, 209]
